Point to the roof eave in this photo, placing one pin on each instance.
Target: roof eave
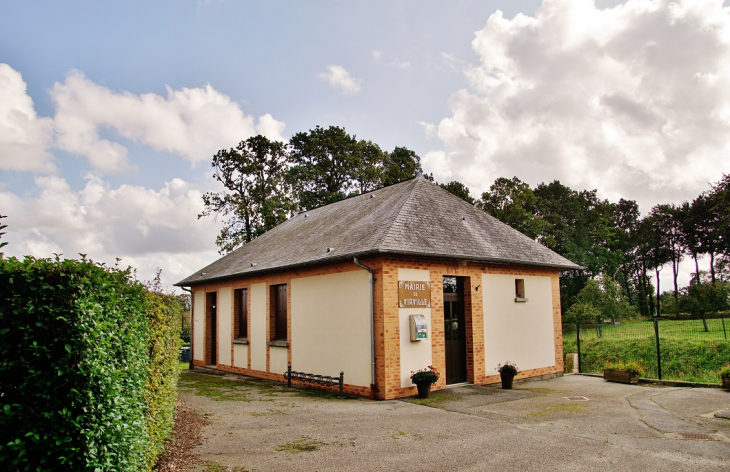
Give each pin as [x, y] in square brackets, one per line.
[347, 257]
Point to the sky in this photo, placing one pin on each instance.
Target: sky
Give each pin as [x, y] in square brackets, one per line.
[110, 112]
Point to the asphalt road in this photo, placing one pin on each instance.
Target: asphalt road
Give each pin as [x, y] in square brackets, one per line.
[569, 423]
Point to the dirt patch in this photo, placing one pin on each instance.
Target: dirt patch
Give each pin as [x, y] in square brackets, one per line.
[178, 453]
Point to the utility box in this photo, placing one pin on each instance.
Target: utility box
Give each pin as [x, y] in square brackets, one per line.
[419, 328]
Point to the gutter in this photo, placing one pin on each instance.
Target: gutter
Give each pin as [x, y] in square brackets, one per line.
[373, 387]
[374, 252]
[190, 291]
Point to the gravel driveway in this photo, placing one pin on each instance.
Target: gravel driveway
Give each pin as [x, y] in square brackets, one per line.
[569, 423]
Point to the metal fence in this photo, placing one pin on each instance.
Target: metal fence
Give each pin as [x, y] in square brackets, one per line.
[689, 349]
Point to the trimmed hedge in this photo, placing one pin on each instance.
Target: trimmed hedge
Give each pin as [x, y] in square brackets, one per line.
[81, 370]
[163, 318]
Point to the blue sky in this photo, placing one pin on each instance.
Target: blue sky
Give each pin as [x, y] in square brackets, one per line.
[111, 112]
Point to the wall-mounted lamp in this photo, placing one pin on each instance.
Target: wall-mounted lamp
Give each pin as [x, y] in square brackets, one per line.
[477, 289]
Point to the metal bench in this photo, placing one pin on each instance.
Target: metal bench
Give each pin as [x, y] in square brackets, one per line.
[314, 378]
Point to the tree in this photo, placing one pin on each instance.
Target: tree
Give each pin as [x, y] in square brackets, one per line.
[703, 298]
[599, 300]
[715, 232]
[667, 227]
[690, 221]
[629, 274]
[513, 202]
[460, 190]
[655, 250]
[399, 165]
[2, 227]
[368, 170]
[257, 196]
[580, 227]
[326, 164]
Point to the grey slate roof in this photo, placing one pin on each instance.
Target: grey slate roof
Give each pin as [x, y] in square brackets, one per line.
[415, 217]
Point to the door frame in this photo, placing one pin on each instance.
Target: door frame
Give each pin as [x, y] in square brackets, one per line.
[465, 331]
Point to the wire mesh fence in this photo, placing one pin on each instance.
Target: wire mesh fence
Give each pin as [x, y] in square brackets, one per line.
[689, 349]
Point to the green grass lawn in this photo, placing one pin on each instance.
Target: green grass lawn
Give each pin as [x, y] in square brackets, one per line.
[687, 351]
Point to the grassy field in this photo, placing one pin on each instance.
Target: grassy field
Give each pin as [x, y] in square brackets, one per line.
[687, 351]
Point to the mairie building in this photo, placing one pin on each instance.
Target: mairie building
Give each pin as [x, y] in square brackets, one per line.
[380, 285]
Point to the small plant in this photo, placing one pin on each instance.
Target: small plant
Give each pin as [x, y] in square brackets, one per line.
[725, 372]
[508, 368]
[429, 375]
[629, 366]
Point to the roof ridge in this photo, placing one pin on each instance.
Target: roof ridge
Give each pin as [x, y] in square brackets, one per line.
[414, 182]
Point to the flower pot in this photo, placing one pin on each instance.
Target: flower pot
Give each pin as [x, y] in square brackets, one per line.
[622, 376]
[507, 378]
[726, 383]
[424, 389]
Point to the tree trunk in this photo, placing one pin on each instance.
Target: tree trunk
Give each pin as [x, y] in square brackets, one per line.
[675, 269]
[697, 267]
[712, 265]
[658, 293]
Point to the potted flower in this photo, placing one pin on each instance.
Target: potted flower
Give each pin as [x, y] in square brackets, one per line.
[725, 376]
[507, 372]
[624, 372]
[423, 379]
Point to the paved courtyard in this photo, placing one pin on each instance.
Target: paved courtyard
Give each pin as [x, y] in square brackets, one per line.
[569, 423]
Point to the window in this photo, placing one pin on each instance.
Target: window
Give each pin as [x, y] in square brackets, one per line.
[520, 290]
[240, 306]
[278, 313]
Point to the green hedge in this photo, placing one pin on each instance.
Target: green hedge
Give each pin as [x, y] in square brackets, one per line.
[163, 318]
[81, 368]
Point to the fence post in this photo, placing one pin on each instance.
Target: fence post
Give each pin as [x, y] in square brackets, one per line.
[342, 384]
[288, 376]
[577, 334]
[722, 318]
[658, 351]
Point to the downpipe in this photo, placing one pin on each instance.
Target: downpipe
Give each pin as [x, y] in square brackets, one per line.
[372, 329]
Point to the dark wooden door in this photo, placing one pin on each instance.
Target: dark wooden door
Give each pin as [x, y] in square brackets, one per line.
[454, 330]
[212, 320]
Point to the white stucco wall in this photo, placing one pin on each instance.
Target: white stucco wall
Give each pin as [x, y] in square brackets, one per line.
[330, 326]
[199, 325]
[519, 332]
[414, 355]
[257, 336]
[240, 356]
[225, 317]
[277, 359]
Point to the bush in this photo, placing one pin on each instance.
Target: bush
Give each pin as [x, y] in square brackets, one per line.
[85, 380]
[163, 318]
[628, 366]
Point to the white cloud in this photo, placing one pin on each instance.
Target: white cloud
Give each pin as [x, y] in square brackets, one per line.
[146, 228]
[401, 65]
[376, 54]
[24, 137]
[339, 78]
[271, 128]
[191, 122]
[633, 100]
[430, 129]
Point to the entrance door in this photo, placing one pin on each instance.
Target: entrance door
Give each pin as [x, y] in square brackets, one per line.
[454, 330]
[212, 321]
